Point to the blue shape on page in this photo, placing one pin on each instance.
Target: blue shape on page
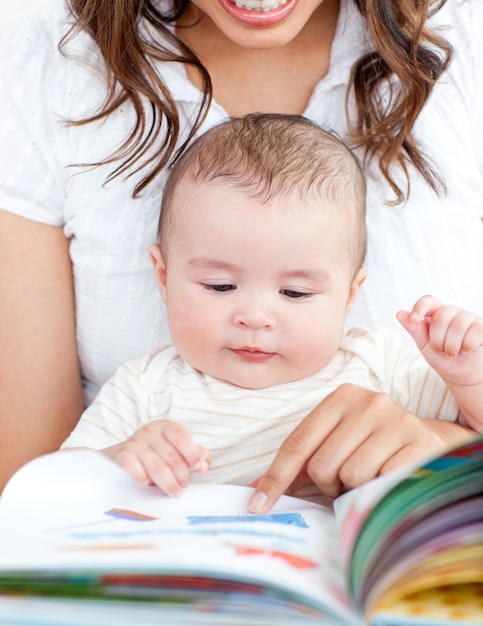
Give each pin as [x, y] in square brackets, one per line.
[288, 519]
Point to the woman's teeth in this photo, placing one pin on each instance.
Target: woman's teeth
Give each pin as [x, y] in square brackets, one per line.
[259, 5]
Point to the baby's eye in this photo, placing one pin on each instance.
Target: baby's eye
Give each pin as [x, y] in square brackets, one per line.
[295, 295]
[220, 288]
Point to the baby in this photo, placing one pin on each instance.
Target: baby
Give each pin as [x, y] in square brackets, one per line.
[261, 247]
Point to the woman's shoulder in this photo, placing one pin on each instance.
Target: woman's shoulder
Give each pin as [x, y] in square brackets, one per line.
[37, 31]
[31, 50]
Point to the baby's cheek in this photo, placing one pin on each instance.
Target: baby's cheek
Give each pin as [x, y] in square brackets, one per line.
[191, 326]
[321, 350]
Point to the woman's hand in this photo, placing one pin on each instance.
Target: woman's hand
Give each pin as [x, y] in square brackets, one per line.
[162, 453]
[352, 436]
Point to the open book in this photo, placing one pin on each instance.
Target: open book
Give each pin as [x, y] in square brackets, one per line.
[81, 543]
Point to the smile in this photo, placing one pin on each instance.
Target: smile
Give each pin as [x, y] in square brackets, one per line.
[259, 13]
[259, 5]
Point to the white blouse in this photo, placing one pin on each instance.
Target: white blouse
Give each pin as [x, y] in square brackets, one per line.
[432, 244]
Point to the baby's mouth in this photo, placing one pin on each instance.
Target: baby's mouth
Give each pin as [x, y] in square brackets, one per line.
[253, 355]
[259, 5]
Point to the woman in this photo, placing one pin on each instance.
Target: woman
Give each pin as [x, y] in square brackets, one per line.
[96, 102]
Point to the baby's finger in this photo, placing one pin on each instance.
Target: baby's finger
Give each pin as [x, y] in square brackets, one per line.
[131, 464]
[163, 453]
[417, 328]
[439, 324]
[474, 337]
[196, 457]
[203, 465]
[450, 341]
[166, 469]
[424, 306]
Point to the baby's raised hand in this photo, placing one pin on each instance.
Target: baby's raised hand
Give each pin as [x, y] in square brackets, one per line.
[450, 339]
[162, 453]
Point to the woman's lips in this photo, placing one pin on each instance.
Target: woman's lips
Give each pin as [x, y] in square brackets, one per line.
[258, 16]
[252, 354]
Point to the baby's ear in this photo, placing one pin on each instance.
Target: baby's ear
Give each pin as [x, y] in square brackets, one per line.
[357, 281]
[159, 267]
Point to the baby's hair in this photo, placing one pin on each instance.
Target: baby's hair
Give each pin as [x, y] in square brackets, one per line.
[269, 155]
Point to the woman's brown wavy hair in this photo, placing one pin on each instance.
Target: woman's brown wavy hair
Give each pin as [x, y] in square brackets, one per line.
[405, 49]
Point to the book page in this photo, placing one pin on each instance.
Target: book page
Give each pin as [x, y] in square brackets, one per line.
[354, 507]
[412, 533]
[76, 511]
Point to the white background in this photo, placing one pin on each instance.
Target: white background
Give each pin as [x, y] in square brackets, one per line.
[9, 8]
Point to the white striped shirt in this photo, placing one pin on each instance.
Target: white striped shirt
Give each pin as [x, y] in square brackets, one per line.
[244, 428]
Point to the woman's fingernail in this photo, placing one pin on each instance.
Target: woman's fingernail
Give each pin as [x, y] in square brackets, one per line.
[258, 503]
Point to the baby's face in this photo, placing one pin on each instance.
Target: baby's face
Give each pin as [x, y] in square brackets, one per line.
[256, 293]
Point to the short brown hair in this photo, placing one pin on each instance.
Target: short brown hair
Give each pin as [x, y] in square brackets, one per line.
[268, 155]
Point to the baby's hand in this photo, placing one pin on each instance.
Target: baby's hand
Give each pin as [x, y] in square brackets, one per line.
[162, 453]
[450, 339]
